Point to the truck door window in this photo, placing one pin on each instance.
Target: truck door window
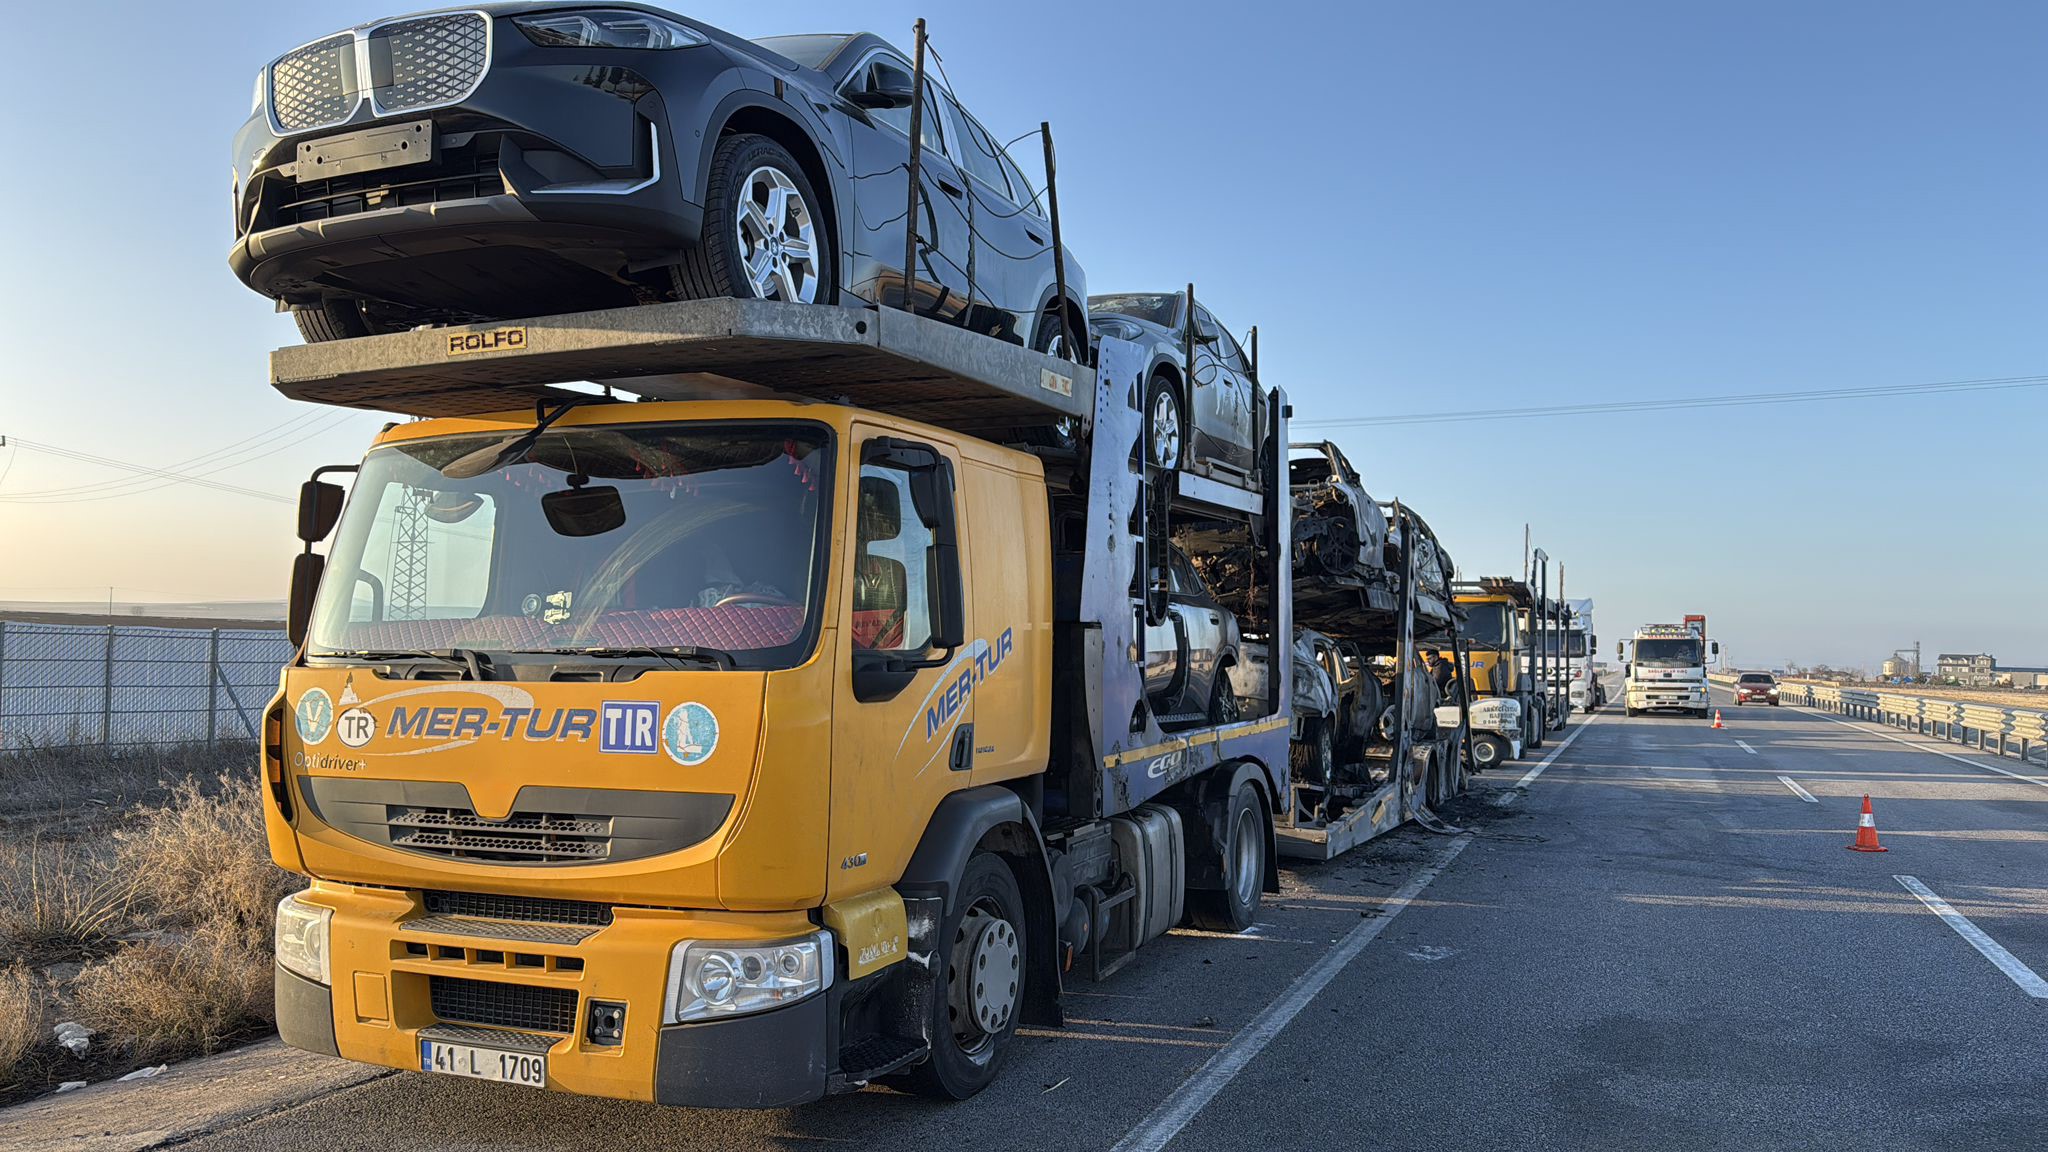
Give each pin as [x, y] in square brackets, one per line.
[892, 577]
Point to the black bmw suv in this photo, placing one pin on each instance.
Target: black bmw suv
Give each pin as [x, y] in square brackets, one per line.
[509, 160]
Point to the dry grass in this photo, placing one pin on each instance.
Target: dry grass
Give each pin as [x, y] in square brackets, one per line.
[167, 999]
[207, 861]
[59, 900]
[24, 1007]
[166, 901]
[73, 790]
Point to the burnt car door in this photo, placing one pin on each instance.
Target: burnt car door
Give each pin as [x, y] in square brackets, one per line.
[1222, 397]
[881, 167]
[1193, 602]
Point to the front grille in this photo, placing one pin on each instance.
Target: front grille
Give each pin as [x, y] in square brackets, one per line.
[497, 1005]
[533, 909]
[528, 837]
[430, 61]
[407, 65]
[315, 86]
[459, 174]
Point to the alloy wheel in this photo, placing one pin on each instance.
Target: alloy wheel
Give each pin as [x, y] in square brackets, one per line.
[778, 242]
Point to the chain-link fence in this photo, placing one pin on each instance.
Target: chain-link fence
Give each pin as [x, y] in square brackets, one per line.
[66, 685]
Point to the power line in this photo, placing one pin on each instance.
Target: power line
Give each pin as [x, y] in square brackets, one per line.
[160, 473]
[114, 489]
[1749, 399]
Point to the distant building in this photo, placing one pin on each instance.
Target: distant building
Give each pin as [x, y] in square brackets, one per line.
[2024, 677]
[1978, 669]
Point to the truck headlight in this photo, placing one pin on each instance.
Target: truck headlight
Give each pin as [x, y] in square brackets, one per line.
[712, 978]
[301, 940]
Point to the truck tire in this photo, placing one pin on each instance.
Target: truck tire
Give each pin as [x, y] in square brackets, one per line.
[977, 983]
[751, 167]
[1488, 751]
[1233, 908]
[1631, 712]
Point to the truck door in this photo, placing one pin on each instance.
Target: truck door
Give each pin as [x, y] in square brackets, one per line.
[1009, 610]
[904, 706]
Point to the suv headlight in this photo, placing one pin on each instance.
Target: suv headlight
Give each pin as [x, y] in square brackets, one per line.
[301, 940]
[607, 28]
[712, 978]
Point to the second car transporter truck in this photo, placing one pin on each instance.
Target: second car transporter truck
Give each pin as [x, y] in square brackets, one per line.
[777, 732]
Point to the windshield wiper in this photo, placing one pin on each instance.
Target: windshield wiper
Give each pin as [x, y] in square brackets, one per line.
[676, 655]
[469, 660]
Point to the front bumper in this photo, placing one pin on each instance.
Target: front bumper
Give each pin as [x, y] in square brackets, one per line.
[557, 162]
[1651, 699]
[383, 995]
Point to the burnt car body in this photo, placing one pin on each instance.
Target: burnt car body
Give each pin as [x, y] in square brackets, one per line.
[1340, 532]
[507, 160]
[1189, 652]
[1761, 687]
[1203, 420]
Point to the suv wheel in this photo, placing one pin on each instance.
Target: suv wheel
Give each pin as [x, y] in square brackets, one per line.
[1165, 427]
[765, 236]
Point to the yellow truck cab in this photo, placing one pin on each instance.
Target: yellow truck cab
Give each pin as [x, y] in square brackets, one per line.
[697, 750]
[1497, 635]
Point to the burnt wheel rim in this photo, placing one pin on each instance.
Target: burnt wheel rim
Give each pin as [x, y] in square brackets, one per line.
[778, 241]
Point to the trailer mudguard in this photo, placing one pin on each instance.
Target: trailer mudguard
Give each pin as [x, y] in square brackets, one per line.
[994, 817]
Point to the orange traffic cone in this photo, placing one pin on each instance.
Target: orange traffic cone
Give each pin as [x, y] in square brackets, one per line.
[1717, 719]
[1866, 831]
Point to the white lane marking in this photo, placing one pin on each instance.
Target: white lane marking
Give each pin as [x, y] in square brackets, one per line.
[2006, 962]
[1515, 793]
[1166, 1121]
[1929, 748]
[1802, 793]
[1745, 748]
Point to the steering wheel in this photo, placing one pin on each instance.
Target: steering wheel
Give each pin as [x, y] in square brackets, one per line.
[755, 598]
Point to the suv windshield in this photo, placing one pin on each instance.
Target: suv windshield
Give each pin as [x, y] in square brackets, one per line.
[714, 542]
[810, 50]
[1668, 652]
[1161, 308]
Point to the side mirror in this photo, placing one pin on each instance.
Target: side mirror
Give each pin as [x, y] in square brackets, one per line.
[1620, 649]
[306, 569]
[319, 509]
[1714, 648]
[1593, 642]
[884, 87]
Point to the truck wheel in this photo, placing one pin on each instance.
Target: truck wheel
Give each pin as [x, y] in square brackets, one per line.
[1488, 751]
[1631, 712]
[1244, 867]
[1534, 739]
[765, 234]
[977, 983]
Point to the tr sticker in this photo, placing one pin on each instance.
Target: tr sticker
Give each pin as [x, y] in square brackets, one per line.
[355, 727]
[314, 715]
[690, 734]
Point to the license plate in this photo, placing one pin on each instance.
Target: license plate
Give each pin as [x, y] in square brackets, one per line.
[523, 1068]
[385, 146]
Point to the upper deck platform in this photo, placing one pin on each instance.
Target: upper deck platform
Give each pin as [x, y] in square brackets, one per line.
[882, 359]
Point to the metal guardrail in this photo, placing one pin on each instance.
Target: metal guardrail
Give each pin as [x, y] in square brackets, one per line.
[2003, 731]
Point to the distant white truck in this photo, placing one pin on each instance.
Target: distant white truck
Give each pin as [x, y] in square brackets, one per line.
[1573, 676]
[1667, 669]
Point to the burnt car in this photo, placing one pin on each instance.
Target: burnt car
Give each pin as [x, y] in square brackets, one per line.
[1761, 687]
[1201, 419]
[1340, 531]
[1189, 652]
[1339, 705]
[510, 160]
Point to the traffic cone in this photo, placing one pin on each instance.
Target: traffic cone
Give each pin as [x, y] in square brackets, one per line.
[1717, 719]
[1866, 831]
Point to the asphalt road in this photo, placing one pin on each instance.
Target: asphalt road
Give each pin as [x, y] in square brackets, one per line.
[1657, 944]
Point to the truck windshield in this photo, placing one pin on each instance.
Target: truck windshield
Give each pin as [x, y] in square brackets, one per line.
[714, 542]
[1668, 652]
[1486, 625]
[1571, 644]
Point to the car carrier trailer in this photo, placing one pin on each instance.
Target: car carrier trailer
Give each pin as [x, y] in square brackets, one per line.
[854, 809]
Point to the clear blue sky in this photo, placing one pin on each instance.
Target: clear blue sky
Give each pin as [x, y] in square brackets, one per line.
[1423, 207]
